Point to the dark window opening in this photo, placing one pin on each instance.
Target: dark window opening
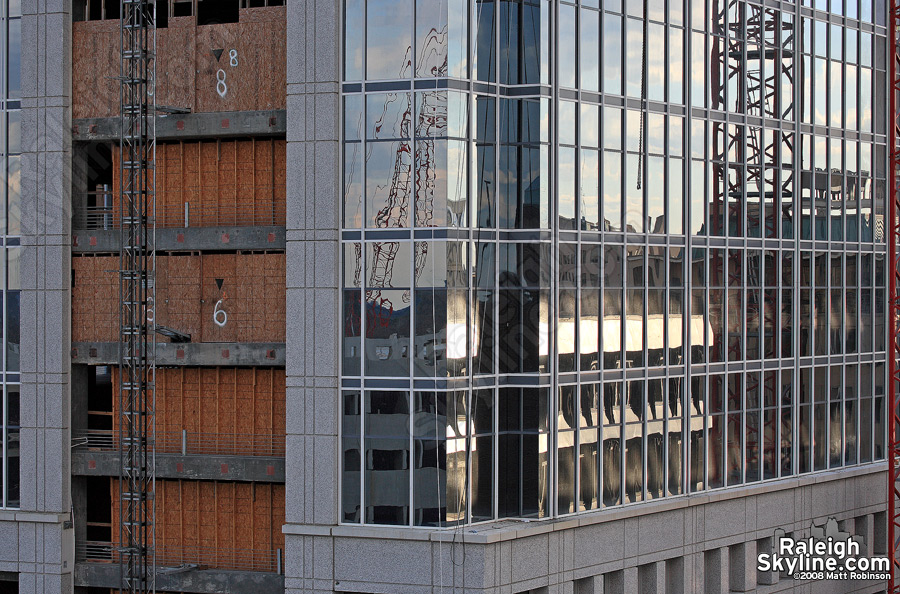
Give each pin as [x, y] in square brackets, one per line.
[214, 12]
[98, 159]
[110, 9]
[182, 9]
[95, 10]
[162, 14]
[100, 395]
[79, 7]
[9, 583]
[99, 509]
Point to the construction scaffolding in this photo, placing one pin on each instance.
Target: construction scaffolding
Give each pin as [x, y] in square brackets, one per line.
[137, 326]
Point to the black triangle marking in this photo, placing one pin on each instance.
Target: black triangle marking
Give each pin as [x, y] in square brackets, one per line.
[219, 282]
[218, 54]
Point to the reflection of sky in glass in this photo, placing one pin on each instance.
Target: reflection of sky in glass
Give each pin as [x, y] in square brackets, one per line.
[566, 184]
[656, 62]
[634, 200]
[676, 196]
[656, 194]
[566, 117]
[353, 39]
[612, 54]
[634, 57]
[567, 38]
[612, 190]
[590, 181]
[676, 65]
[388, 38]
[590, 47]
[590, 125]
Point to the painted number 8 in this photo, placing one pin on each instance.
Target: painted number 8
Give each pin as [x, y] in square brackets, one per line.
[233, 55]
[221, 87]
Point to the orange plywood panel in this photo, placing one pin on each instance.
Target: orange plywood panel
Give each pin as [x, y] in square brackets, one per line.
[95, 299]
[95, 50]
[219, 182]
[248, 75]
[227, 411]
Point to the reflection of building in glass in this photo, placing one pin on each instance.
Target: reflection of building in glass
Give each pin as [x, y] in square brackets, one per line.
[643, 260]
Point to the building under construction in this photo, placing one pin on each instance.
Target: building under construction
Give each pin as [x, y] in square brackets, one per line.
[475, 296]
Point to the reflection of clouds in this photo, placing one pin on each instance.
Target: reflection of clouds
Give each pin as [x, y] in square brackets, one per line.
[633, 57]
[353, 185]
[612, 54]
[380, 56]
[567, 182]
[656, 62]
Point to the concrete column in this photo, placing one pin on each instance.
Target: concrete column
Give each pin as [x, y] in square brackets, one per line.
[865, 528]
[652, 578]
[313, 295]
[715, 571]
[766, 545]
[589, 585]
[742, 566]
[45, 535]
[675, 576]
[630, 580]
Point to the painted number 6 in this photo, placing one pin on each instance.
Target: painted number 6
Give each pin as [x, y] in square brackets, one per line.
[220, 316]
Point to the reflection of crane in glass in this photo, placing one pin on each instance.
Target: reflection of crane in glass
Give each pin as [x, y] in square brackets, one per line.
[432, 121]
[751, 72]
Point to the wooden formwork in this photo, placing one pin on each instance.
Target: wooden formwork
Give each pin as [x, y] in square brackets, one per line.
[234, 411]
[252, 295]
[218, 524]
[250, 68]
[217, 182]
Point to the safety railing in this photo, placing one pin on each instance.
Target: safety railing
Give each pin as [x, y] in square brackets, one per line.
[190, 443]
[180, 556]
[98, 212]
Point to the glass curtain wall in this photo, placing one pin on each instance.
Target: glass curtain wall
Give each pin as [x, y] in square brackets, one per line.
[581, 268]
[10, 241]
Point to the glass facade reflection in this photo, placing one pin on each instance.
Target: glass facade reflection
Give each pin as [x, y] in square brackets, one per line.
[10, 241]
[644, 261]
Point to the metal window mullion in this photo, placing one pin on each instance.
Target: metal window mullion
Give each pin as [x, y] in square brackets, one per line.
[410, 349]
[745, 292]
[4, 426]
[553, 207]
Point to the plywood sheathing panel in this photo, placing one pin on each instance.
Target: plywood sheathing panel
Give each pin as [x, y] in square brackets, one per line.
[187, 71]
[252, 296]
[223, 182]
[232, 411]
[219, 524]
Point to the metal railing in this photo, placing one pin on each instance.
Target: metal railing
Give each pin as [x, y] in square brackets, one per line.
[180, 556]
[185, 442]
[103, 214]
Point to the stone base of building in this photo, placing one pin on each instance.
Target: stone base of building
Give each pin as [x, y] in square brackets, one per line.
[702, 543]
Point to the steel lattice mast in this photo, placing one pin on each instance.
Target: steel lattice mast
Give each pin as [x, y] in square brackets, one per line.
[137, 154]
[894, 301]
